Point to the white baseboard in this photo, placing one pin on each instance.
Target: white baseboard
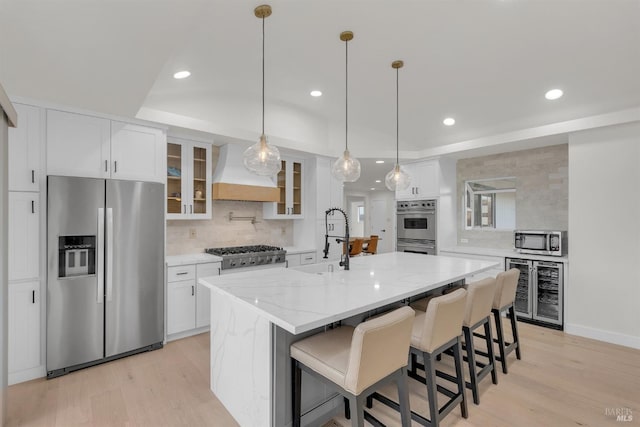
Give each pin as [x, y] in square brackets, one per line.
[602, 335]
[188, 333]
[26, 375]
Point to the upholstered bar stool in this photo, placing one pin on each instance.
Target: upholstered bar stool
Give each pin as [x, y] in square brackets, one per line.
[371, 247]
[435, 331]
[504, 299]
[478, 314]
[358, 360]
[356, 247]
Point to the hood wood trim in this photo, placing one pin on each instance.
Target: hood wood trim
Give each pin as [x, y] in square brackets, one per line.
[251, 193]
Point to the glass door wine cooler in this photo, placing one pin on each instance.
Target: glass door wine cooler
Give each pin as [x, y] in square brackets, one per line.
[539, 295]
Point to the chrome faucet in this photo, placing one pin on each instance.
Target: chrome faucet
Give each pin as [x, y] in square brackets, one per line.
[344, 262]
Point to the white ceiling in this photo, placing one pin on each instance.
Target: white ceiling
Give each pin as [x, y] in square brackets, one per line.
[487, 63]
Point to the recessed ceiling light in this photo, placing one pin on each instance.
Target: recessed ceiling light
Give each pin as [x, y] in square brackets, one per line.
[377, 180]
[373, 188]
[449, 121]
[316, 93]
[182, 74]
[379, 161]
[553, 94]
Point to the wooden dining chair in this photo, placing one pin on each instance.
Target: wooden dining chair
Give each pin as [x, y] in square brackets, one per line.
[371, 247]
[356, 247]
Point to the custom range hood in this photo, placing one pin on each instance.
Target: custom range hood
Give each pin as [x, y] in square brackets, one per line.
[232, 181]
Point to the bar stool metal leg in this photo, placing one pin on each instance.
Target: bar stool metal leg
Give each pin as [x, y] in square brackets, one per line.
[430, 376]
[471, 361]
[403, 397]
[490, 352]
[457, 354]
[500, 334]
[514, 328]
[297, 388]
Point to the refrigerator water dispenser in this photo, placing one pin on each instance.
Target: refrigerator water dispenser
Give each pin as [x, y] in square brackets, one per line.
[77, 256]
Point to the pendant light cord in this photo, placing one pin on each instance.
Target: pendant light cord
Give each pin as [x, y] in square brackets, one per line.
[346, 95]
[263, 75]
[397, 116]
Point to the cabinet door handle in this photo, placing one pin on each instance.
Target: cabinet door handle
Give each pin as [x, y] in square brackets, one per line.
[308, 258]
[286, 263]
[182, 273]
[33, 206]
[193, 290]
[106, 166]
[33, 176]
[115, 166]
[191, 208]
[33, 297]
[185, 209]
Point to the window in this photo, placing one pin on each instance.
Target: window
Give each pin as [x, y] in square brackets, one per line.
[490, 203]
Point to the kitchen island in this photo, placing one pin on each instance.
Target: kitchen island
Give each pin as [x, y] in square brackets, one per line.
[255, 316]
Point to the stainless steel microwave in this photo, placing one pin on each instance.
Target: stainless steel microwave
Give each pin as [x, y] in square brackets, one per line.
[541, 242]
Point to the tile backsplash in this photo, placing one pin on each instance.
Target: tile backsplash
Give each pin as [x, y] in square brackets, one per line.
[220, 232]
[542, 191]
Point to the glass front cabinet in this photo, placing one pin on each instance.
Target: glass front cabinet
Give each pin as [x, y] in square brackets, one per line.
[290, 183]
[188, 179]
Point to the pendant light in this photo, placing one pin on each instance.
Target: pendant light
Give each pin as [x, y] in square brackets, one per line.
[346, 168]
[397, 178]
[262, 158]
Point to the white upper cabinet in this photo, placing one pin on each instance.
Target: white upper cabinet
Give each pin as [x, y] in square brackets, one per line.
[290, 182]
[25, 142]
[78, 145]
[24, 235]
[425, 182]
[137, 152]
[93, 147]
[188, 175]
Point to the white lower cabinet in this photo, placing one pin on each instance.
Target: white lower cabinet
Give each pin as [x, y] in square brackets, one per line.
[24, 332]
[181, 306]
[203, 305]
[188, 304]
[302, 258]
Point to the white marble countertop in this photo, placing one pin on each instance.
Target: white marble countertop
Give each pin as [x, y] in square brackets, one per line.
[504, 253]
[198, 258]
[303, 298]
[292, 250]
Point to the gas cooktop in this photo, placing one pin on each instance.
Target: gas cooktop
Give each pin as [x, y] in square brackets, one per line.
[248, 256]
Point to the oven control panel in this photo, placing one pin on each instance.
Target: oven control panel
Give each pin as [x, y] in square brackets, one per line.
[416, 206]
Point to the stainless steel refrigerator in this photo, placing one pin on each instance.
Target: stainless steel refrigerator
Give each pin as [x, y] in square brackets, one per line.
[105, 293]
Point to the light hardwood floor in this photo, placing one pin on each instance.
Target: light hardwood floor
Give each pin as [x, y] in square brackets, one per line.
[561, 380]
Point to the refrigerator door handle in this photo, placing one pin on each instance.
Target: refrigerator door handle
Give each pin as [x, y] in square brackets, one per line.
[100, 263]
[109, 254]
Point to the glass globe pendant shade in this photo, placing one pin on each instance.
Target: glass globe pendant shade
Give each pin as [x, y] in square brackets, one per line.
[397, 179]
[346, 168]
[262, 158]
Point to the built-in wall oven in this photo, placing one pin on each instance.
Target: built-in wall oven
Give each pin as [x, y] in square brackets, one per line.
[416, 226]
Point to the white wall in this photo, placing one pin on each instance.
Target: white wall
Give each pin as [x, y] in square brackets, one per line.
[603, 291]
[506, 210]
[388, 238]
[4, 276]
